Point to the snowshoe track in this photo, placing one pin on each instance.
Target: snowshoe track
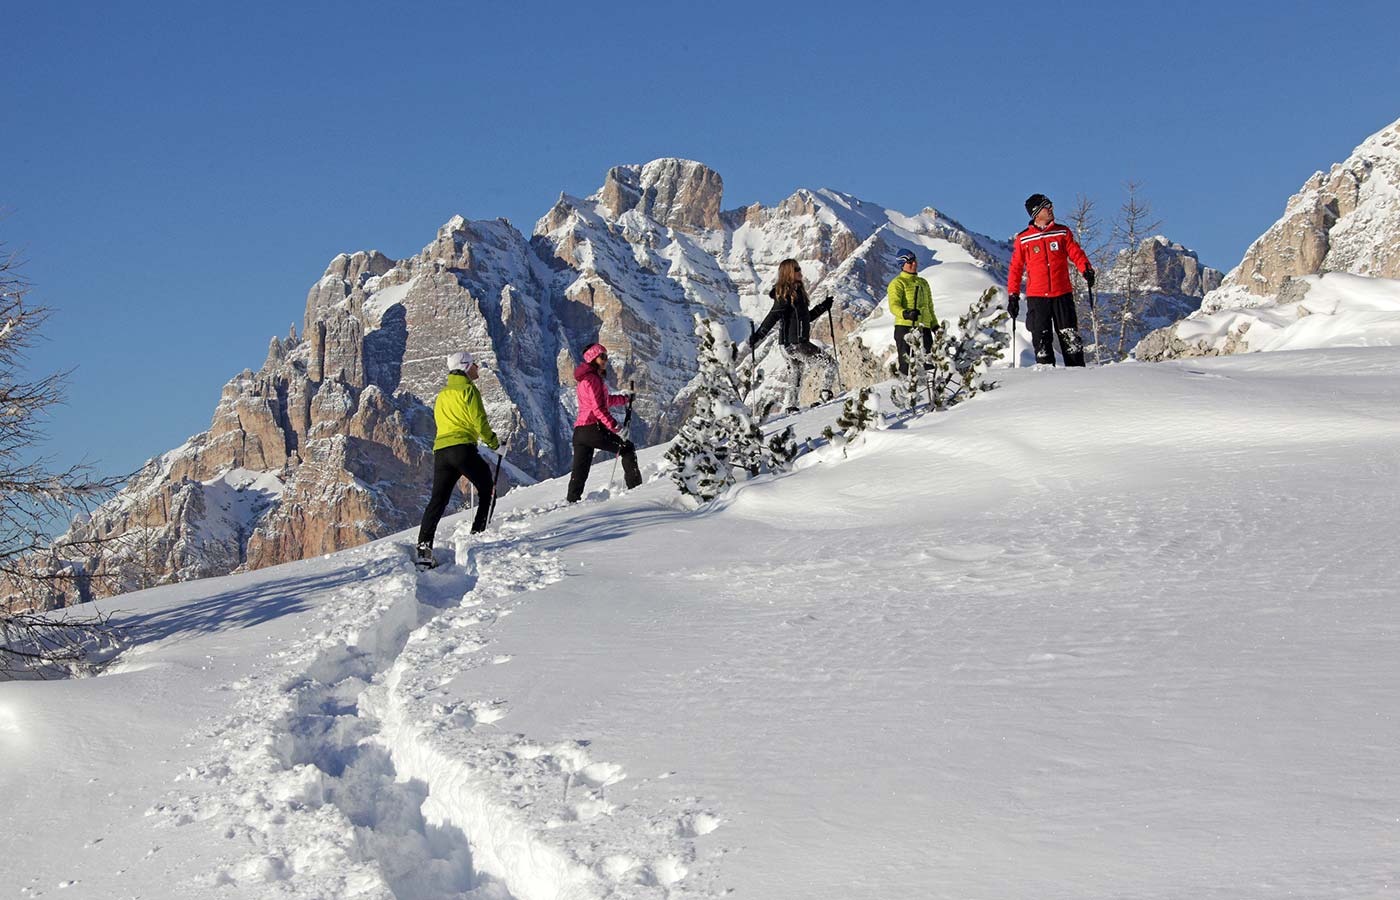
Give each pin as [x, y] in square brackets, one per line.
[357, 778]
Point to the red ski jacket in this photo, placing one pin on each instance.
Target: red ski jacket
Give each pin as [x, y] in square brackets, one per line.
[1042, 256]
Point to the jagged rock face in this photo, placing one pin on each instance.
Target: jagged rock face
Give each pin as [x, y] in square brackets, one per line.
[677, 193]
[1344, 220]
[1170, 282]
[1162, 267]
[340, 423]
[329, 443]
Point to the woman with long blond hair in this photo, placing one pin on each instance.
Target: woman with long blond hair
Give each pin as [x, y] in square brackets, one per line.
[793, 315]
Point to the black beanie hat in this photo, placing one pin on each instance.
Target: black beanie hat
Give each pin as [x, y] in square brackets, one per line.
[1035, 203]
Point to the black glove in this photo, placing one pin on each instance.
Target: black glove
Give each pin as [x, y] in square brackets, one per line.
[912, 315]
[1089, 276]
[627, 447]
[1013, 304]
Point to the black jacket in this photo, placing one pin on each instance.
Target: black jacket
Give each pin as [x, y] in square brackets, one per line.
[795, 319]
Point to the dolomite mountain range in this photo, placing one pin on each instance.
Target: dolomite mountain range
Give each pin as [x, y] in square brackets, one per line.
[328, 443]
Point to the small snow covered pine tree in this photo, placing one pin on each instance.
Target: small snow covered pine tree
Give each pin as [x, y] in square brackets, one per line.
[955, 370]
[721, 443]
[857, 415]
[981, 340]
[927, 372]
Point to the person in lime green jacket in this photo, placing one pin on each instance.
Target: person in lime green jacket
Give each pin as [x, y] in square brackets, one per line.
[461, 422]
[911, 301]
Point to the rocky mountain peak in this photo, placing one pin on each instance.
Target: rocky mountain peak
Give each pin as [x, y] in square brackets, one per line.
[1346, 219]
[1162, 266]
[329, 443]
[677, 193]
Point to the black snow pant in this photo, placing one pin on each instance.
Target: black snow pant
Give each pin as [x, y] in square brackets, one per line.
[899, 332]
[450, 464]
[588, 438]
[1047, 317]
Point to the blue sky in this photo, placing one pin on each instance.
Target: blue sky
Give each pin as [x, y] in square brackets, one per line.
[177, 175]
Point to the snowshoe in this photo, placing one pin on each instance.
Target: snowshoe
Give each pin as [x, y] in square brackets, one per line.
[425, 559]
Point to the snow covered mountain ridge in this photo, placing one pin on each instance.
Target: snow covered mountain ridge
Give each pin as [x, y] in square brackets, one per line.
[332, 434]
[328, 444]
[1344, 220]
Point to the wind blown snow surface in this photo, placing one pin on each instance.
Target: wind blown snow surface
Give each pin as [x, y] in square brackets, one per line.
[1335, 309]
[1107, 633]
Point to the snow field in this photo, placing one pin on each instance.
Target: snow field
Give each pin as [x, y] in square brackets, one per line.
[1119, 632]
[350, 778]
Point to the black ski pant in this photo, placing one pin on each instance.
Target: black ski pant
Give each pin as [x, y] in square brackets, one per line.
[588, 438]
[899, 332]
[450, 464]
[1048, 317]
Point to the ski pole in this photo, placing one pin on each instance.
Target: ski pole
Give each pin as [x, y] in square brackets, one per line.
[1015, 346]
[753, 362]
[1094, 320]
[495, 480]
[626, 420]
[830, 323]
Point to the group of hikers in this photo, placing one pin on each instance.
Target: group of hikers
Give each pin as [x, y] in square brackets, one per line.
[1041, 253]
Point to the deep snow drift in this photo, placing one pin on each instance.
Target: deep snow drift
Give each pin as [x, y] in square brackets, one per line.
[1120, 632]
[1336, 309]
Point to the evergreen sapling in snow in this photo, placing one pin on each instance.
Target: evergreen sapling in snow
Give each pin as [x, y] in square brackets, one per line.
[859, 414]
[925, 372]
[721, 443]
[956, 368]
[981, 341]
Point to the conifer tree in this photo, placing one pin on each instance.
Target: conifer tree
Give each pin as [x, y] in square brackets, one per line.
[858, 414]
[980, 341]
[721, 443]
[927, 368]
[957, 366]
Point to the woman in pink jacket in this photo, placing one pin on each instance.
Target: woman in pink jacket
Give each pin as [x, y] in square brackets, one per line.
[594, 429]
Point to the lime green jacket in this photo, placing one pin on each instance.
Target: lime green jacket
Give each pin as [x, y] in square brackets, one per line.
[911, 300]
[461, 416]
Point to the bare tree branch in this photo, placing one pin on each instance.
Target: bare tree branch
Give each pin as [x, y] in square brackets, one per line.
[37, 573]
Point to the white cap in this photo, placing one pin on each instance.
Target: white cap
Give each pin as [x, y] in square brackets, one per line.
[460, 361]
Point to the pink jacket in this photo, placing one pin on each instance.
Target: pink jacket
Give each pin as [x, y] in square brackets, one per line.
[594, 399]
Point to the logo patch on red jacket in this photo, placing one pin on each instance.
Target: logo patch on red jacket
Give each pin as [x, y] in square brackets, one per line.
[1054, 245]
[1035, 249]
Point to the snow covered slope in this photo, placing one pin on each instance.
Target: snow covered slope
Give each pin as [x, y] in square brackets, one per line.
[1119, 632]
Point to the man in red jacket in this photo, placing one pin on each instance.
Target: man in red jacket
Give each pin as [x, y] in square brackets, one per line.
[1043, 253]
